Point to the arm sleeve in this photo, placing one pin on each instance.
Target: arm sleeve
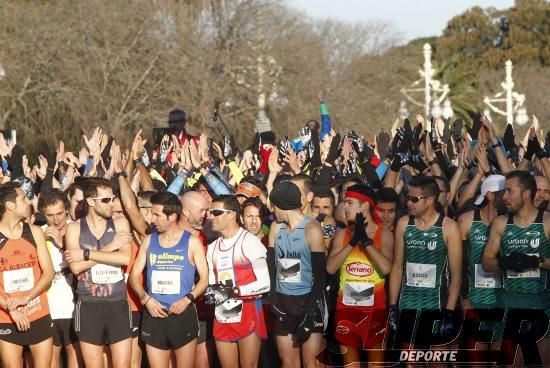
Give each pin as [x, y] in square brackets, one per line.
[177, 183]
[262, 283]
[216, 184]
[381, 170]
[326, 123]
[235, 171]
[318, 271]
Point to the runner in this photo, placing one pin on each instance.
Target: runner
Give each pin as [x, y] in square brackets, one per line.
[254, 214]
[193, 214]
[26, 270]
[238, 276]
[97, 247]
[54, 205]
[305, 184]
[542, 199]
[296, 257]
[362, 254]
[427, 252]
[386, 207]
[480, 289]
[171, 256]
[519, 246]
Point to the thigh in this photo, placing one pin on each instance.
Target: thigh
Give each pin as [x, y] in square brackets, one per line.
[121, 353]
[228, 353]
[158, 357]
[185, 356]
[74, 355]
[289, 354]
[249, 351]
[92, 354]
[204, 356]
[42, 353]
[311, 348]
[136, 353]
[56, 357]
[11, 354]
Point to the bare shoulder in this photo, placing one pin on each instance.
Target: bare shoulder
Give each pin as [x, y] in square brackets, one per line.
[121, 224]
[73, 226]
[466, 218]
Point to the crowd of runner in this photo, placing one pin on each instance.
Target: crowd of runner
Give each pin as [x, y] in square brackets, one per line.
[185, 252]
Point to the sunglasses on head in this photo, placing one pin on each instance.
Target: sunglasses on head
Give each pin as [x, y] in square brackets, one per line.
[414, 199]
[105, 200]
[219, 211]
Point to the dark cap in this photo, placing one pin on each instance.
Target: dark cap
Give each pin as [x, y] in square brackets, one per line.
[286, 196]
[268, 137]
[177, 115]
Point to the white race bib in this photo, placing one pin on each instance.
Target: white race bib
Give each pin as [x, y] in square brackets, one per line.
[533, 273]
[165, 282]
[421, 275]
[18, 280]
[230, 311]
[358, 294]
[289, 270]
[106, 274]
[488, 280]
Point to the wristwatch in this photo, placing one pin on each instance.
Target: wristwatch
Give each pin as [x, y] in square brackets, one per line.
[86, 254]
[190, 297]
[205, 165]
[122, 173]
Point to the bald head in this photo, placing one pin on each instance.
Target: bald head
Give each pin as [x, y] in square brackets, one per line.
[194, 209]
[543, 192]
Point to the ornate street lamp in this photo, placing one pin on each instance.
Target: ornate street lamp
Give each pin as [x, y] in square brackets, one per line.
[513, 100]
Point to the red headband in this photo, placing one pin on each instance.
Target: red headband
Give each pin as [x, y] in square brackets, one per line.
[364, 198]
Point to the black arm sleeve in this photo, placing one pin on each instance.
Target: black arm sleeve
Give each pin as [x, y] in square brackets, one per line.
[318, 272]
[47, 183]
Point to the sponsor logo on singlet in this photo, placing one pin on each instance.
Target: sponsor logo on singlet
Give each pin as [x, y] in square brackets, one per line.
[164, 258]
[359, 269]
[6, 331]
[432, 244]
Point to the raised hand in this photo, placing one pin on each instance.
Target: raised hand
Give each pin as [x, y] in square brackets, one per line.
[93, 144]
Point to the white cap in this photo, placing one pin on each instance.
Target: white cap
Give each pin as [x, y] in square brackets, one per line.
[493, 183]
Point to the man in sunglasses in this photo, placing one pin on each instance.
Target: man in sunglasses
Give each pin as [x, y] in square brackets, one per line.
[362, 255]
[480, 289]
[427, 250]
[97, 248]
[171, 256]
[519, 247]
[296, 257]
[238, 276]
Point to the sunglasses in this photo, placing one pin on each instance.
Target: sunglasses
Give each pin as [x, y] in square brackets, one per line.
[219, 212]
[105, 200]
[414, 199]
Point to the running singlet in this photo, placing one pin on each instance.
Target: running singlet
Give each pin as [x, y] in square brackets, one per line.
[425, 277]
[483, 287]
[530, 240]
[60, 294]
[231, 260]
[170, 276]
[293, 260]
[361, 285]
[102, 281]
[19, 272]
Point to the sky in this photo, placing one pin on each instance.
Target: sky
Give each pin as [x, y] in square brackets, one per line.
[413, 18]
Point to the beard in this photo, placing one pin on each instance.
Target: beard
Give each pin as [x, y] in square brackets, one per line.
[514, 209]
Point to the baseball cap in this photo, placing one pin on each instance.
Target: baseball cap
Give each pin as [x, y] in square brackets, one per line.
[248, 190]
[286, 196]
[493, 183]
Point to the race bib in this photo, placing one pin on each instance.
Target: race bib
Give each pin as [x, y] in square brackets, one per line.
[533, 273]
[230, 311]
[18, 280]
[165, 282]
[421, 275]
[289, 270]
[358, 294]
[488, 280]
[106, 274]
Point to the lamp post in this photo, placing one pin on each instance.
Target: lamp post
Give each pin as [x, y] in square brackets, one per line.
[513, 100]
[429, 86]
[403, 112]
